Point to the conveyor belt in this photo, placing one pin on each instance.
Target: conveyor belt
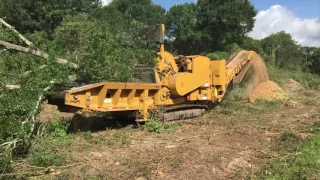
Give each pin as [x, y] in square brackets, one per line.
[237, 60]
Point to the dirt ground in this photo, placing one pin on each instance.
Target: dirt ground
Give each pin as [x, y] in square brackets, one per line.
[233, 141]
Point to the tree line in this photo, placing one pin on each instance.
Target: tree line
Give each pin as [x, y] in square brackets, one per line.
[192, 28]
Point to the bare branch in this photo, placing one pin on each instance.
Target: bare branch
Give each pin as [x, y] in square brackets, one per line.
[24, 49]
[12, 87]
[20, 35]
[36, 53]
[277, 47]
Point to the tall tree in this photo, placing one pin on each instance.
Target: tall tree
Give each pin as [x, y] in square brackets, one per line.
[283, 50]
[43, 15]
[251, 44]
[226, 21]
[312, 58]
[181, 28]
[143, 11]
[209, 25]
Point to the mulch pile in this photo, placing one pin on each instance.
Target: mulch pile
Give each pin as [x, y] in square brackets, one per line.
[267, 90]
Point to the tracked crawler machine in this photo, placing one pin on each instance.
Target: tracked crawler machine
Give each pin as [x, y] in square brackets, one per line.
[183, 86]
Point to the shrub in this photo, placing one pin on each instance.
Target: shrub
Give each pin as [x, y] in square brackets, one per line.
[233, 48]
[213, 56]
[58, 129]
[217, 55]
[154, 125]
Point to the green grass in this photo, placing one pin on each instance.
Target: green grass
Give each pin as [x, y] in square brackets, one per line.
[49, 150]
[234, 104]
[281, 76]
[300, 161]
[145, 172]
[46, 159]
[121, 138]
[237, 93]
[268, 105]
[5, 165]
[287, 142]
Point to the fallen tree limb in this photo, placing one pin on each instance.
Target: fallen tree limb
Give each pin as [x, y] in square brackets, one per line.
[12, 87]
[11, 144]
[20, 35]
[36, 53]
[24, 49]
[30, 44]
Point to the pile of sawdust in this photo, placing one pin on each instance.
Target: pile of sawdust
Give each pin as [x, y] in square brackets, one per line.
[267, 90]
[292, 86]
[260, 86]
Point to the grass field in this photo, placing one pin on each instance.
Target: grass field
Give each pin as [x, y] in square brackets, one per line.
[236, 140]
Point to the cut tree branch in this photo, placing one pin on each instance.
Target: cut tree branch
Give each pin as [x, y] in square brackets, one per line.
[35, 53]
[20, 35]
[12, 87]
[24, 49]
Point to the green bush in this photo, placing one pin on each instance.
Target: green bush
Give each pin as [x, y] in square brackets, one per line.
[223, 55]
[213, 56]
[217, 55]
[154, 125]
[102, 54]
[233, 48]
[58, 129]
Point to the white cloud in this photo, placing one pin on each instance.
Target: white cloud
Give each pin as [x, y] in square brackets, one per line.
[277, 18]
[106, 2]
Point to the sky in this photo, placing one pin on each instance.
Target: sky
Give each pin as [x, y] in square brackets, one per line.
[300, 18]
